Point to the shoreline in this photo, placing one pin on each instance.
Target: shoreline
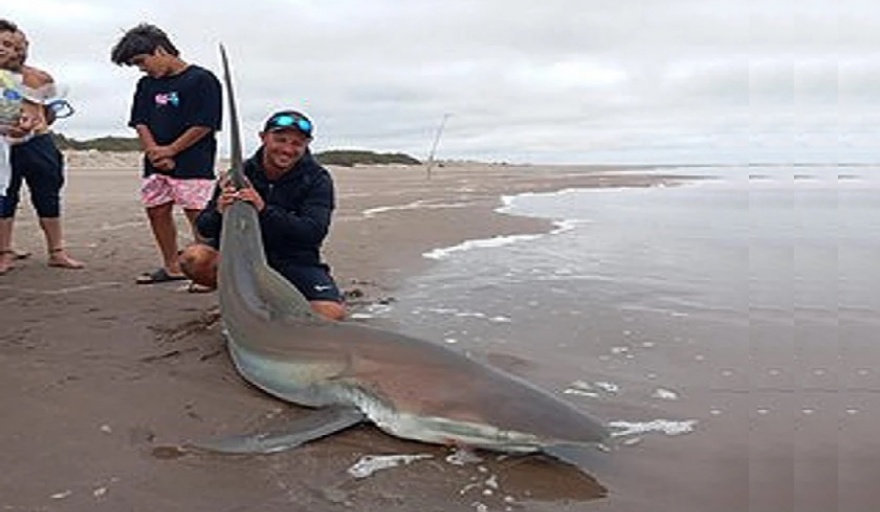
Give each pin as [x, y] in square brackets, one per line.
[459, 204]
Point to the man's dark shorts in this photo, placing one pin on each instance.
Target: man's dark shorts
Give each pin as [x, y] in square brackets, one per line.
[313, 281]
[38, 163]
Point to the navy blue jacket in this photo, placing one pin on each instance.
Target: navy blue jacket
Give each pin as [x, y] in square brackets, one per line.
[296, 219]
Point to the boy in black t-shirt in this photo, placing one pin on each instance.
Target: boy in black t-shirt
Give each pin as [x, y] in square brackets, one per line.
[176, 112]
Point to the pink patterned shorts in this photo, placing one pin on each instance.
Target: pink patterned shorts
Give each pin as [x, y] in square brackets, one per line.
[189, 194]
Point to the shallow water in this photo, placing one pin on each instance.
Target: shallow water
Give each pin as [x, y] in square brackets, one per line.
[723, 328]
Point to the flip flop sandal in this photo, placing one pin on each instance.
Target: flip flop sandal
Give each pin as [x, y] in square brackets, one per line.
[199, 288]
[158, 276]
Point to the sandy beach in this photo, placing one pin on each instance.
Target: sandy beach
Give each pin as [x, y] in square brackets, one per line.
[98, 374]
[668, 312]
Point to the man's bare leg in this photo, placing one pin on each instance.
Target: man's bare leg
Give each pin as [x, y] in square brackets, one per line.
[199, 263]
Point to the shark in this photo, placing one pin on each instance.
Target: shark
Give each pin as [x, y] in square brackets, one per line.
[346, 373]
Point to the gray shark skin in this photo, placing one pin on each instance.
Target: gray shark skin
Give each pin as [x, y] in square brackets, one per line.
[408, 387]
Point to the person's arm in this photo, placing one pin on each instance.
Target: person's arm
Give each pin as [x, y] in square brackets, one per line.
[27, 122]
[139, 117]
[50, 115]
[210, 221]
[146, 137]
[35, 78]
[149, 145]
[189, 137]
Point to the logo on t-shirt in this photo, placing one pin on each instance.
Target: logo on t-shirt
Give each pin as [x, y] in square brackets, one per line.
[164, 99]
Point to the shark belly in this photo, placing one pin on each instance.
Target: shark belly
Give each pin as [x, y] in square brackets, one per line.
[435, 429]
[302, 383]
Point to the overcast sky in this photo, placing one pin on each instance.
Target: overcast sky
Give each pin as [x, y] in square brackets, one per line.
[548, 81]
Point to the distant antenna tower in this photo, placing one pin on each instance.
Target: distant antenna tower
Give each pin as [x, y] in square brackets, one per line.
[434, 146]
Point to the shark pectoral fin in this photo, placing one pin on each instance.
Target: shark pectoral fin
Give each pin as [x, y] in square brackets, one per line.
[280, 296]
[315, 424]
[579, 456]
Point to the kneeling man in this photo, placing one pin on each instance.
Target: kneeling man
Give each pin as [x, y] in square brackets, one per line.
[294, 196]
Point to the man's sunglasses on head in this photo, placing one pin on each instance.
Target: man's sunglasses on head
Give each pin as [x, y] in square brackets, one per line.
[291, 121]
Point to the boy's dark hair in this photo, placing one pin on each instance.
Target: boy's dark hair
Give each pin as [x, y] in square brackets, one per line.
[143, 39]
[7, 26]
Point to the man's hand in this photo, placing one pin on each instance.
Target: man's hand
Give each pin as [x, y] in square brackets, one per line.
[161, 158]
[251, 195]
[165, 165]
[25, 125]
[17, 131]
[158, 153]
[229, 194]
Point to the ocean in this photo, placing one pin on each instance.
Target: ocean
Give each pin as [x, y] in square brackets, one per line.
[723, 328]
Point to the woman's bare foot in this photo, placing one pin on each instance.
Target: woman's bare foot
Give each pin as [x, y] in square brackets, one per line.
[60, 258]
[7, 261]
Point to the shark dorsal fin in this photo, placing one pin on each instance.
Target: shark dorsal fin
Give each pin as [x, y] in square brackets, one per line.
[236, 170]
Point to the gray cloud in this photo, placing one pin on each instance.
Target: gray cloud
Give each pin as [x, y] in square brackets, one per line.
[554, 81]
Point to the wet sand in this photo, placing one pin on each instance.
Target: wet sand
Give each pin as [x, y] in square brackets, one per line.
[98, 374]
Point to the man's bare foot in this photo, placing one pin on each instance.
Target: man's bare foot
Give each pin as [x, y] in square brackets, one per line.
[7, 261]
[59, 258]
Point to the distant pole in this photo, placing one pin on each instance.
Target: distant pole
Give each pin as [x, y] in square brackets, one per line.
[434, 146]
